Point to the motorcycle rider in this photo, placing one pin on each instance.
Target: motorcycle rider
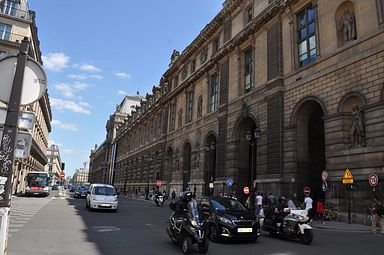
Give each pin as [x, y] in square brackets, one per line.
[280, 213]
[182, 204]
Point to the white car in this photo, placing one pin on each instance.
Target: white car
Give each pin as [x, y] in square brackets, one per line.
[102, 196]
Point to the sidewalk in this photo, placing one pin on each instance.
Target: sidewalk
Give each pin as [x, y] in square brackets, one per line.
[341, 226]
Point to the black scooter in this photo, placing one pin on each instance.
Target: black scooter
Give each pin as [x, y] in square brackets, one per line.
[189, 230]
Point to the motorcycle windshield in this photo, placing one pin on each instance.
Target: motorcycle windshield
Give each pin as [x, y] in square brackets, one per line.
[194, 211]
[291, 205]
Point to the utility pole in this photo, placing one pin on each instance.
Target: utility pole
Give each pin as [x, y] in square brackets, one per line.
[8, 144]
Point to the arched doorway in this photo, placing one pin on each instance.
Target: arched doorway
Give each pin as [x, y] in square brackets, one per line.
[310, 148]
[186, 165]
[210, 164]
[169, 167]
[247, 156]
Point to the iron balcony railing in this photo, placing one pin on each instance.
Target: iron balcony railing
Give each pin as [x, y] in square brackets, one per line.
[11, 37]
[15, 12]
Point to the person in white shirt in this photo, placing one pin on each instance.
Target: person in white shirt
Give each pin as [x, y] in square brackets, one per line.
[308, 203]
[259, 202]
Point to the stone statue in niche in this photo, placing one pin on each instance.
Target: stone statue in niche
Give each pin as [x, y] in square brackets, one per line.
[175, 55]
[357, 131]
[200, 107]
[348, 25]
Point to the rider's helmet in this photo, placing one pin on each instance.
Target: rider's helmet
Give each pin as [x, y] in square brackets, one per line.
[187, 196]
[282, 199]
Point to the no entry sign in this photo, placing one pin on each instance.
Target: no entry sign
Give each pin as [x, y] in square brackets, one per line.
[373, 180]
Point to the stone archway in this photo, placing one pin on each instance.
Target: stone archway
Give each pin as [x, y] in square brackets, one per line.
[246, 155]
[310, 148]
[210, 148]
[187, 153]
[169, 169]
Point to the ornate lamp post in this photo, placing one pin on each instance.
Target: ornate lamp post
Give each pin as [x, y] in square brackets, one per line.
[252, 139]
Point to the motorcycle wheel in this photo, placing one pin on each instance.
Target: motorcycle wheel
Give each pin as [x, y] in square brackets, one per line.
[213, 235]
[186, 245]
[203, 247]
[307, 237]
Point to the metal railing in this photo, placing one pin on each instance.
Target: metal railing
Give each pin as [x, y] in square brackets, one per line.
[15, 12]
[11, 37]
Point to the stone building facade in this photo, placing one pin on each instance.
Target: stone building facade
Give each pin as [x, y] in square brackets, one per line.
[270, 94]
[16, 22]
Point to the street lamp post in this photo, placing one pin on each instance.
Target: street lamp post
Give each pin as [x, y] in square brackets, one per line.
[252, 141]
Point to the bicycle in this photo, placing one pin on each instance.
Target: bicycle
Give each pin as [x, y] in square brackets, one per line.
[330, 215]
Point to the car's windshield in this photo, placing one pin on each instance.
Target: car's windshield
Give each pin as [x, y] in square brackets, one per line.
[37, 180]
[227, 204]
[82, 189]
[105, 191]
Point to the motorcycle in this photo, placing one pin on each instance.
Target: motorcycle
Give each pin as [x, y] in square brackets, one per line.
[159, 200]
[294, 225]
[189, 230]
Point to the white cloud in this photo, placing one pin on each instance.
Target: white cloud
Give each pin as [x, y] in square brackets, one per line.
[77, 76]
[68, 90]
[122, 75]
[67, 151]
[67, 126]
[87, 67]
[96, 76]
[121, 92]
[56, 61]
[78, 107]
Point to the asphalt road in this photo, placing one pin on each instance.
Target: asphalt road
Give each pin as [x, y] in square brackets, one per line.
[58, 226]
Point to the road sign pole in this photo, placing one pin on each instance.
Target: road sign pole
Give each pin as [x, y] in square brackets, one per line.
[7, 149]
[349, 206]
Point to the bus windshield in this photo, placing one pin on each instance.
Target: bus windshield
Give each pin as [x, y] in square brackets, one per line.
[37, 180]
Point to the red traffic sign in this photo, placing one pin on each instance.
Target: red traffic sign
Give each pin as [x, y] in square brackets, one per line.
[62, 175]
[158, 183]
[373, 180]
[246, 190]
[324, 175]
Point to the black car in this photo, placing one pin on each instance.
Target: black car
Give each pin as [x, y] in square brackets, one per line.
[229, 219]
[81, 192]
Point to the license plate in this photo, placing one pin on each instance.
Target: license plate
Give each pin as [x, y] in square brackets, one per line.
[244, 230]
[105, 205]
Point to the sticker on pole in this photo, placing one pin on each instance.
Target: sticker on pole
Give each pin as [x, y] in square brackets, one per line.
[324, 175]
[373, 180]
[34, 82]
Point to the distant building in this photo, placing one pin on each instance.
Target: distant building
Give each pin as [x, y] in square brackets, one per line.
[16, 23]
[54, 166]
[80, 177]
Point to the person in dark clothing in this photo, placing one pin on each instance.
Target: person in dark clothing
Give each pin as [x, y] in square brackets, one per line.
[280, 213]
[182, 204]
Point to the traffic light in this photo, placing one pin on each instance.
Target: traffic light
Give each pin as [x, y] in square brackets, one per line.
[62, 166]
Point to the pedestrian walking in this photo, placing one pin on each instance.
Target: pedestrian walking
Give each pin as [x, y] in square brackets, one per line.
[259, 202]
[271, 198]
[173, 195]
[308, 203]
[320, 211]
[377, 212]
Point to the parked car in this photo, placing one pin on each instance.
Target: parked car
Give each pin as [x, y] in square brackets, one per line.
[101, 196]
[81, 192]
[229, 219]
[73, 188]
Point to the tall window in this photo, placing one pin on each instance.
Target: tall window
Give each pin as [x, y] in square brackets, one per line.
[189, 106]
[307, 35]
[172, 117]
[248, 15]
[227, 31]
[248, 69]
[9, 7]
[5, 31]
[380, 10]
[213, 92]
[215, 46]
[193, 65]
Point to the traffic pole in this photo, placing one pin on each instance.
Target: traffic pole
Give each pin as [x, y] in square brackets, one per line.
[8, 144]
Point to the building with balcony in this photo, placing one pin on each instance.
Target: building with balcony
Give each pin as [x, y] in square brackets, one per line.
[55, 165]
[270, 94]
[16, 23]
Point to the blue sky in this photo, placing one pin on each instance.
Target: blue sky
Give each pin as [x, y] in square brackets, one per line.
[95, 52]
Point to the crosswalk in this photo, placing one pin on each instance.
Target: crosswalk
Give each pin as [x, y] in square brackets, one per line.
[22, 210]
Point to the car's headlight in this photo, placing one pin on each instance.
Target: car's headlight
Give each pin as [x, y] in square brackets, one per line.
[224, 220]
[115, 199]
